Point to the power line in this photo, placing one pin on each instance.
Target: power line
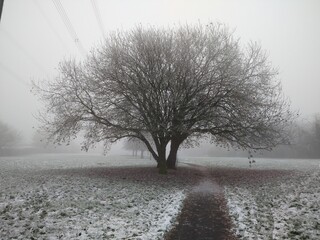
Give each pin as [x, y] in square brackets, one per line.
[14, 75]
[49, 23]
[66, 20]
[68, 25]
[25, 52]
[98, 16]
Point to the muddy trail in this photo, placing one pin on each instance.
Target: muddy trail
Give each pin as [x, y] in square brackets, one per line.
[204, 214]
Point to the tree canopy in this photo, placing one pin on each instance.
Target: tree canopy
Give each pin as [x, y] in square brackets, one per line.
[172, 85]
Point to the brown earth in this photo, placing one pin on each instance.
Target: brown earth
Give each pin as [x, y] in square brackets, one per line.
[204, 214]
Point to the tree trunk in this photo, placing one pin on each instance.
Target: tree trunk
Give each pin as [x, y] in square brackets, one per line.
[162, 160]
[172, 158]
[162, 167]
[141, 156]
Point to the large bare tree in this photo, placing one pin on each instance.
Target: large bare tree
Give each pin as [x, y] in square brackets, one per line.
[172, 85]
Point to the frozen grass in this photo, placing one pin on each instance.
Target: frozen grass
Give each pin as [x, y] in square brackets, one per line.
[261, 163]
[119, 197]
[69, 197]
[273, 199]
[277, 210]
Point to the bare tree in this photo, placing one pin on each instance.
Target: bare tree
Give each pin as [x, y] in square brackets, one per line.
[316, 130]
[307, 138]
[8, 136]
[135, 145]
[175, 85]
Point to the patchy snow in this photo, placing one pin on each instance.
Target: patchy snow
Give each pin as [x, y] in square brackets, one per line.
[284, 208]
[272, 199]
[243, 212]
[64, 161]
[97, 197]
[260, 163]
[69, 197]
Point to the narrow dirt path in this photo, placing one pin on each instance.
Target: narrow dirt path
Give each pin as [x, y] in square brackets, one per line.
[204, 214]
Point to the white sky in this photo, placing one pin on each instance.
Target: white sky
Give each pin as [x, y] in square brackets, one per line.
[33, 39]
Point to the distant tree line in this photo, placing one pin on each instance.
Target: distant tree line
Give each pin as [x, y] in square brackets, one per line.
[9, 137]
[305, 143]
[306, 140]
[135, 145]
[11, 144]
[39, 144]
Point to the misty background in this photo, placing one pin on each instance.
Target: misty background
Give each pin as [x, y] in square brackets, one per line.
[36, 34]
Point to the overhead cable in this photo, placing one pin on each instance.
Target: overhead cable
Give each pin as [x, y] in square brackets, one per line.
[66, 21]
[50, 24]
[14, 75]
[23, 50]
[98, 16]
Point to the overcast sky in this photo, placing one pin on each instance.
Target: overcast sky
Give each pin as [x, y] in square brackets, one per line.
[34, 38]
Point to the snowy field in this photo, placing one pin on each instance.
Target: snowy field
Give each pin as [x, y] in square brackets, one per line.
[120, 197]
[272, 199]
[87, 197]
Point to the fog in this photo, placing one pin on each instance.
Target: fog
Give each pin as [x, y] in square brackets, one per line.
[34, 38]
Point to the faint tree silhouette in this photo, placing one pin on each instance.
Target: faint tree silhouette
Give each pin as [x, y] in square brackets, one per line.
[8, 136]
[135, 145]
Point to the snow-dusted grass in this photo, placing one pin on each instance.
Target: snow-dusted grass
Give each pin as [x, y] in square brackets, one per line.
[81, 197]
[120, 197]
[277, 210]
[272, 199]
[261, 163]
[65, 161]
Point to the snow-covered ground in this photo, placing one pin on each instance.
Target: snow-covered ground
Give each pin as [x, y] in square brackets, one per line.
[86, 197]
[261, 163]
[272, 199]
[289, 209]
[120, 197]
